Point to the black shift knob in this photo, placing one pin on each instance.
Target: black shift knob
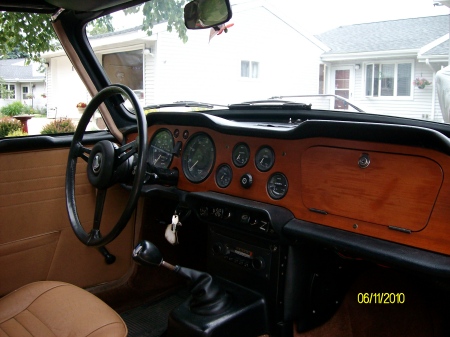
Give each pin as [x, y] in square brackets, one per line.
[146, 253]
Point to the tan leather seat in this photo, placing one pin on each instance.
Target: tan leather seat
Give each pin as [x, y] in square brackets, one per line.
[50, 308]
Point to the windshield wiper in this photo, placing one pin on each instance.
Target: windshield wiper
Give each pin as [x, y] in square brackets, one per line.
[271, 104]
[336, 97]
[184, 104]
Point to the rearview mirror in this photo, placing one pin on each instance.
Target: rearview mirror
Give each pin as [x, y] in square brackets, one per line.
[199, 14]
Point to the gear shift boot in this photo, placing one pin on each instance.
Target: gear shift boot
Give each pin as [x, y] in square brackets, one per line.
[208, 297]
[245, 316]
[216, 308]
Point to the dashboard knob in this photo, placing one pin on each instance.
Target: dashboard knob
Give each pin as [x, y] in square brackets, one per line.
[258, 263]
[219, 248]
[246, 180]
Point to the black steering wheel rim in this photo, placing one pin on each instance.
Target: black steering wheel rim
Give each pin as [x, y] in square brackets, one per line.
[94, 238]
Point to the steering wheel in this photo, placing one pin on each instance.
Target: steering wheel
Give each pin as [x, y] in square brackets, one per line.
[108, 164]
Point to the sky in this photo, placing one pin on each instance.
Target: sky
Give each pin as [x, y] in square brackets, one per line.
[336, 13]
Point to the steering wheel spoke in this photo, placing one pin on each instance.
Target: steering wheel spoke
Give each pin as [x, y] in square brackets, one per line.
[83, 152]
[104, 168]
[99, 204]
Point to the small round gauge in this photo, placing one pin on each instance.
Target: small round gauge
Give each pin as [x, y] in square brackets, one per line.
[265, 158]
[241, 155]
[198, 157]
[277, 186]
[161, 146]
[224, 174]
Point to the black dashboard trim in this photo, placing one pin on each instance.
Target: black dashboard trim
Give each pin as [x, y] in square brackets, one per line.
[277, 215]
[376, 250]
[26, 143]
[417, 136]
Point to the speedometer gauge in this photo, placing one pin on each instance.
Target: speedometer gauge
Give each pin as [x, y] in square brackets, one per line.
[198, 157]
[161, 146]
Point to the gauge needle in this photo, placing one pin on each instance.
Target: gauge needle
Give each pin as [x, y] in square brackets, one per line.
[156, 160]
[192, 167]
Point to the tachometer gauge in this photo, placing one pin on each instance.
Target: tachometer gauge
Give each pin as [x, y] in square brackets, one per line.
[241, 155]
[224, 175]
[277, 186]
[198, 157]
[161, 146]
[265, 158]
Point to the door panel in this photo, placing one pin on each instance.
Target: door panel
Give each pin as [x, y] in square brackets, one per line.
[36, 240]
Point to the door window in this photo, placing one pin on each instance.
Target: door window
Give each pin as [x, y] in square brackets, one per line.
[341, 88]
[25, 92]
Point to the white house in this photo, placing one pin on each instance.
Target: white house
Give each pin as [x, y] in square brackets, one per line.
[23, 82]
[375, 64]
[148, 63]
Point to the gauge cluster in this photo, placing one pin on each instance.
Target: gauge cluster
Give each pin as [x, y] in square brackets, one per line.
[197, 160]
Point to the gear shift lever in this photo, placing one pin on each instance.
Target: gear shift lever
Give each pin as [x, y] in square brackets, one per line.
[208, 298]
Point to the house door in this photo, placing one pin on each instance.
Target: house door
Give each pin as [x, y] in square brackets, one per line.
[25, 94]
[342, 82]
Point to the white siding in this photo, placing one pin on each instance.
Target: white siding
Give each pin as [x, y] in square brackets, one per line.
[210, 71]
[149, 76]
[437, 117]
[65, 89]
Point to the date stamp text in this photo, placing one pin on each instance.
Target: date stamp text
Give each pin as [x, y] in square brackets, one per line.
[381, 298]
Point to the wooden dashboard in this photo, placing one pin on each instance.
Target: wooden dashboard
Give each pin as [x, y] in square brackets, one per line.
[397, 193]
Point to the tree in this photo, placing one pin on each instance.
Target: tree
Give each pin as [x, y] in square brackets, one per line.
[102, 25]
[40, 36]
[36, 28]
[158, 11]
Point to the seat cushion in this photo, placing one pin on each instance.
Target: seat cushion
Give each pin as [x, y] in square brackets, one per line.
[51, 308]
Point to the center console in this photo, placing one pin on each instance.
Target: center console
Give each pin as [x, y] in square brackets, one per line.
[245, 254]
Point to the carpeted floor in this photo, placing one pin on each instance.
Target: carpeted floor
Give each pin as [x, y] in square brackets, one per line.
[150, 320]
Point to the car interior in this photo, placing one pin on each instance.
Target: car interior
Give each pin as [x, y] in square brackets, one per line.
[262, 218]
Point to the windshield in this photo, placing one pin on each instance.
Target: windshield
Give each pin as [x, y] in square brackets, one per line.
[379, 59]
[386, 58]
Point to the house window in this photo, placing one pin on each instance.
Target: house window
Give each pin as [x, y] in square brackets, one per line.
[249, 69]
[388, 80]
[8, 91]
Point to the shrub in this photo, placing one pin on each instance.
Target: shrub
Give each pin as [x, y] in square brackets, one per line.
[41, 111]
[17, 133]
[9, 125]
[62, 125]
[13, 109]
[28, 110]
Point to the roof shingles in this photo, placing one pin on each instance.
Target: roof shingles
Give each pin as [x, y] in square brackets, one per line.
[386, 35]
[14, 69]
